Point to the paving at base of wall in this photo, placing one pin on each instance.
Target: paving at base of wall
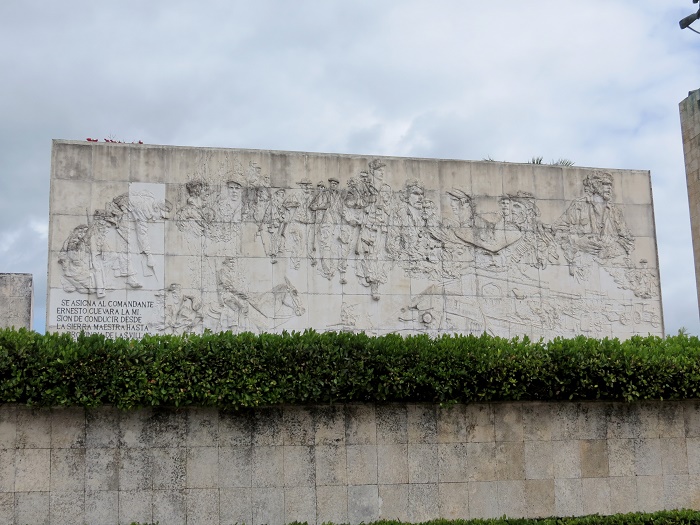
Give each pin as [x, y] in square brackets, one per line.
[346, 463]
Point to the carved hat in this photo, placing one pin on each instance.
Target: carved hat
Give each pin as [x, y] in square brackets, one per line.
[376, 164]
[305, 182]
[460, 195]
[234, 183]
[333, 179]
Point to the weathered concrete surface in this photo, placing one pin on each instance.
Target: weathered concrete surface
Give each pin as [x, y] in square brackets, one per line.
[690, 127]
[16, 300]
[163, 239]
[349, 463]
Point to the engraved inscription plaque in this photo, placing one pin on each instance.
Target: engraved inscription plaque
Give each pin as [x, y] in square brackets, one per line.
[158, 239]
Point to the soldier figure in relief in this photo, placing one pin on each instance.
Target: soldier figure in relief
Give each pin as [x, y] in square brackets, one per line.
[593, 225]
[135, 210]
[299, 223]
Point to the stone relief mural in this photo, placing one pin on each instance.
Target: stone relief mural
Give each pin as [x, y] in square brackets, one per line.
[231, 252]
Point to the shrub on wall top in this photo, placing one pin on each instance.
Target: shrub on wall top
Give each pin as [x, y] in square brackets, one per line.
[246, 370]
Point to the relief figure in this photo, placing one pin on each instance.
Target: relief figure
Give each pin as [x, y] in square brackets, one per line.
[593, 225]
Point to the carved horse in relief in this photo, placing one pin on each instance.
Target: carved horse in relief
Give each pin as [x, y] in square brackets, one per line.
[261, 310]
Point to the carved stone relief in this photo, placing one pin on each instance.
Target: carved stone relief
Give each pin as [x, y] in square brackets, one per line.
[362, 255]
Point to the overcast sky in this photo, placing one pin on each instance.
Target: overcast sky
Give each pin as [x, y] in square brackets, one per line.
[597, 82]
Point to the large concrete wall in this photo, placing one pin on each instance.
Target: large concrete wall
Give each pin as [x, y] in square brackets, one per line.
[346, 464]
[170, 239]
[16, 300]
[690, 127]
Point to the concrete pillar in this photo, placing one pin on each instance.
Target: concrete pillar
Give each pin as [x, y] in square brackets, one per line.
[690, 125]
[16, 300]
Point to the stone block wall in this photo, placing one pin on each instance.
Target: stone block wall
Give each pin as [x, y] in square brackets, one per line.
[690, 127]
[346, 464]
[16, 300]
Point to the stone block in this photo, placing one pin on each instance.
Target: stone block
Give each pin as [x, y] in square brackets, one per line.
[392, 464]
[511, 498]
[566, 459]
[8, 427]
[331, 465]
[481, 461]
[393, 502]
[594, 458]
[674, 458]
[624, 421]
[508, 422]
[452, 424]
[538, 460]
[202, 506]
[362, 464]
[329, 425]
[671, 419]
[596, 495]
[7, 470]
[510, 460]
[102, 428]
[67, 427]
[360, 425]
[676, 492]
[479, 420]
[169, 470]
[32, 508]
[168, 427]
[102, 507]
[423, 463]
[539, 498]
[453, 500]
[623, 495]
[235, 505]
[650, 491]
[363, 503]
[423, 502]
[235, 467]
[621, 457]
[7, 508]
[202, 467]
[691, 418]
[135, 428]
[537, 421]
[33, 428]
[565, 422]
[452, 463]
[392, 424]
[102, 469]
[300, 466]
[693, 452]
[135, 469]
[647, 455]
[67, 470]
[267, 427]
[331, 504]
[298, 426]
[170, 506]
[32, 470]
[16, 300]
[422, 423]
[202, 427]
[568, 497]
[135, 505]
[235, 429]
[67, 508]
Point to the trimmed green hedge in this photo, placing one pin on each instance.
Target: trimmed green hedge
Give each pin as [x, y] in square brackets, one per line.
[246, 370]
[666, 517]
